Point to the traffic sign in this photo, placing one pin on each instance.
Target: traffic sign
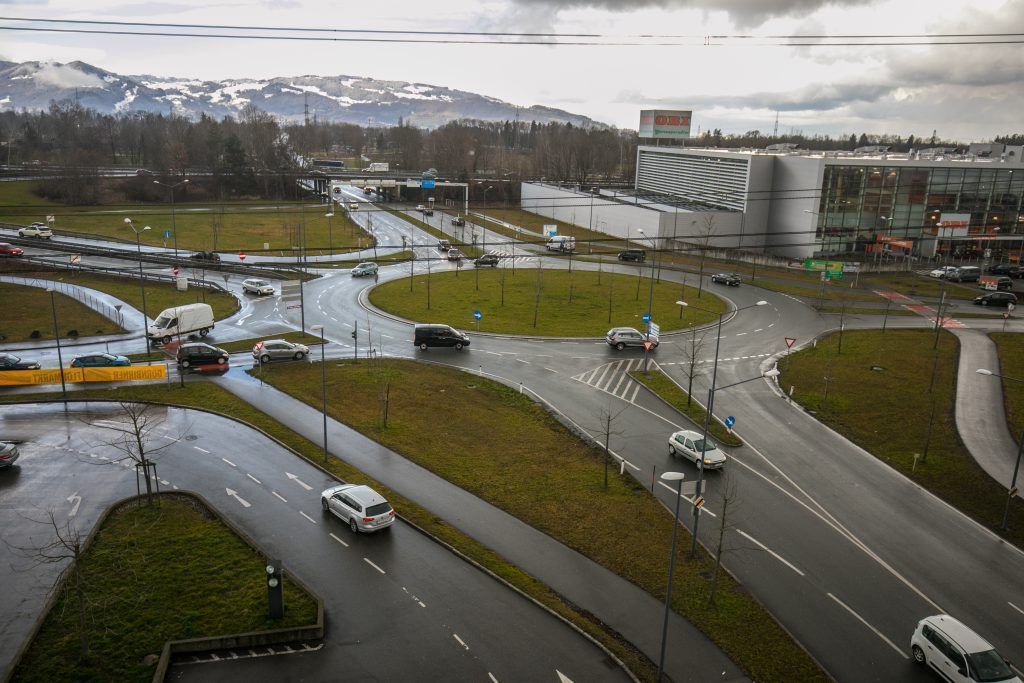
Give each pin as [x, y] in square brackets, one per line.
[655, 330]
[175, 271]
[76, 258]
[699, 502]
[1013, 492]
[648, 344]
[730, 421]
[477, 315]
[790, 341]
[647, 317]
[241, 256]
[167, 234]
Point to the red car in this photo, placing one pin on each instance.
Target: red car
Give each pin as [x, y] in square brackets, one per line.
[10, 250]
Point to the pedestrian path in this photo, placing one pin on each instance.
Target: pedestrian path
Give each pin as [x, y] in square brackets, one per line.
[921, 309]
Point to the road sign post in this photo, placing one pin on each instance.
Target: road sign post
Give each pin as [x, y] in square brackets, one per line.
[729, 422]
[789, 348]
[477, 315]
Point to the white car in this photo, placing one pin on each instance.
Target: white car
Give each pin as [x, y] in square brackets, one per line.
[257, 286]
[37, 230]
[942, 272]
[359, 506]
[692, 445]
[353, 206]
[367, 268]
[957, 653]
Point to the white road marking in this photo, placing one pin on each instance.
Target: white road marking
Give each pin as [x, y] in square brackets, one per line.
[298, 481]
[768, 550]
[491, 676]
[562, 678]
[253, 478]
[461, 642]
[339, 540]
[520, 360]
[280, 497]
[229, 462]
[374, 566]
[76, 500]
[1015, 607]
[874, 630]
[234, 494]
[165, 482]
[550, 370]
[170, 438]
[740, 334]
[760, 329]
[307, 516]
[202, 450]
[493, 353]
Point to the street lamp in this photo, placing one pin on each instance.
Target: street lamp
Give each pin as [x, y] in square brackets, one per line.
[710, 409]
[330, 235]
[650, 296]
[1020, 449]
[56, 334]
[174, 226]
[142, 281]
[678, 478]
[323, 381]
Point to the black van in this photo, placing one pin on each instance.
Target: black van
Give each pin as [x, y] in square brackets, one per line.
[438, 335]
[632, 255]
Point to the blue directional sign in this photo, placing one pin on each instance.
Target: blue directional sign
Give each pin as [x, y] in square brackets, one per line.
[477, 315]
[730, 421]
[647, 317]
[167, 234]
[427, 184]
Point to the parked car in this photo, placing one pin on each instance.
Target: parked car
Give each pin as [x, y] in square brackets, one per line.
[278, 349]
[621, 337]
[100, 360]
[37, 230]
[731, 279]
[454, 255]
[8, 454]
[942, 271]
[256, 286]
[7, 249]
[486, 260]
[366, 268]
[964, 274]
[362, 508]
[458, 220]
[9, 361]
[211, 256]
[996, 299]
[444, 245]
[425, 336]
[638, 255]
[957, 653]
[199, 353]
[1009, 269]
[693, 446]
[1002, 283]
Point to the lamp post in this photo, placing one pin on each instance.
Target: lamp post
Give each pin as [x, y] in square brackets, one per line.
[174, 225]
[330, 234]
[710, 409]
[142, 281]
[323, 381]
[678, 478]
[650, 296]
[56, 334]
[1012, 491]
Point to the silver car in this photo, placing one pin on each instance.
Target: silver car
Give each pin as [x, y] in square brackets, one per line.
[256, 286]
[367, 268]
[278, 349]
[692, 445]
[362, 508]
[621, 337]
[8, 454]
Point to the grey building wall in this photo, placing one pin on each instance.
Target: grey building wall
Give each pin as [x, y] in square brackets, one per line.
[610, 217]
[794, 200]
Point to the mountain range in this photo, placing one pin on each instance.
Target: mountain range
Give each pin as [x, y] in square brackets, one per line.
[351, 99]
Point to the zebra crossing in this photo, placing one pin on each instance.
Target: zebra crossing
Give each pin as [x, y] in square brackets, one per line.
[613, 378]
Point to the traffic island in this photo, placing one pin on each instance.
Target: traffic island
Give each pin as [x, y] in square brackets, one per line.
[893, 395]
[545, 302]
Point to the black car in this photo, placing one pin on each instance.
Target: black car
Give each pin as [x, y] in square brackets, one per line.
[206, 256]
[731, 279]
[486, 260]
[1009, 269]
[11, 362]
[198, 353]
[438, 335]
[638, 255]
[458, 220]
[1003, 299]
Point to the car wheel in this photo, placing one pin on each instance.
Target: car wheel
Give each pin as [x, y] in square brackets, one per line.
[205, 331]
[458, 346]
[352, 525]
[672, 450]
[299, 355]
[918, 654]
[185, 363]
[265, 358]
[323, 504]
[984, 303]
[222, 361]
[620, 346]
[423, 347]
[166, 340]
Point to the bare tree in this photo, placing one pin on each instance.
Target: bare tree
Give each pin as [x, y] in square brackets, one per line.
[692, 350]
[705, 235]
[608, 418]
[134, 433]
[730, 503]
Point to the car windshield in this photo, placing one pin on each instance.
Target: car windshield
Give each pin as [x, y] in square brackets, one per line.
[704, 445]
[988, 666]
[8, 358]
[162, 321]
[378, 509]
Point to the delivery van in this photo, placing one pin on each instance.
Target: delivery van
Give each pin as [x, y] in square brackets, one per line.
[181, 321]
[561, 243]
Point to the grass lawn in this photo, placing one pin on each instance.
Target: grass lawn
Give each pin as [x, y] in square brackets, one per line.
[159, 295]
[454, 297]
[238, 225]
[658, 382]
[32, 314]
[142, 590]
[1011, 364]
[913, 285]
[833, 292]
[467, 249]
[886, 412]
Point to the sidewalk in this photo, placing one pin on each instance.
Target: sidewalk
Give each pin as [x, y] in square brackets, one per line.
[624, 607]
[980, 413]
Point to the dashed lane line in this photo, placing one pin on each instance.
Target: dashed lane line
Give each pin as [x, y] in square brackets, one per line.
[339, 540]
[253, 478]
[229, 462]
[520, 360]
[367, 560]
[461, 641]
[307, 516]
[201, 450]
[1015, 607]
[874, 630]
[280, 497]
[550, 370]
[771, 552]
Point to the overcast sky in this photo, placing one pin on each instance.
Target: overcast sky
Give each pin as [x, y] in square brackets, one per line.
[964, 92]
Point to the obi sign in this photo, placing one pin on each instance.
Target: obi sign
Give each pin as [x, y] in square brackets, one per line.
[666, 124]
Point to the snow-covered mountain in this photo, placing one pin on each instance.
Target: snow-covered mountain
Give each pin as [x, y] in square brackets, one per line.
[353, 99]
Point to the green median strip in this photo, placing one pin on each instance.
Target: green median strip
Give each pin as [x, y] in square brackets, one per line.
[1010, 346]
[296, 337]
[658, 382]
[155, 573]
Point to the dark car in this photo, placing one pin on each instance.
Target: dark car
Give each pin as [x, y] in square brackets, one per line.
[638, 255]
[10, 250]
[1003, 283]
[458, 220]
[198, 353]
[486, 260]
[1009, 269]
[731, 279]
[1003, 299]
[11, 362]
[100, 360]
[206, 256]
[425, 336]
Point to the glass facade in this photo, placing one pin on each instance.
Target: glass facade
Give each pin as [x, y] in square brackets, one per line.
[867, 208]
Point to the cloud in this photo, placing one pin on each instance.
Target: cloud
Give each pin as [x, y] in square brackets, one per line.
[816, 97]
[64, 76]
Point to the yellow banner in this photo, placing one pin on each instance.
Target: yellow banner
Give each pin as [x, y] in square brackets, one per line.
[13, 378]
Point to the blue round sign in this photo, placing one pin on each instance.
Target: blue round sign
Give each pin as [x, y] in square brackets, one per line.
[730, 421]
[647, 317]
[477, 315]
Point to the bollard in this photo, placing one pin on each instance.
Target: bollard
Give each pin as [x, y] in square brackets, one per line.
[913, 467]
[481, 371]
[622, 466]
[520, 387]
[654, 472]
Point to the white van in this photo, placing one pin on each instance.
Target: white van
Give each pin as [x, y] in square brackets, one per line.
[561, 243]
[181, 321]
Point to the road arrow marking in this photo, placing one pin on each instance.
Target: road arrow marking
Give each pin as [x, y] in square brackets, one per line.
[562, 678]
[299, 481]
[234, 494]
[76, 500]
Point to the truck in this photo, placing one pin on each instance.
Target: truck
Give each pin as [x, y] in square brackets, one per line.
[377, 167]
[565, 243]
[181, 321]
